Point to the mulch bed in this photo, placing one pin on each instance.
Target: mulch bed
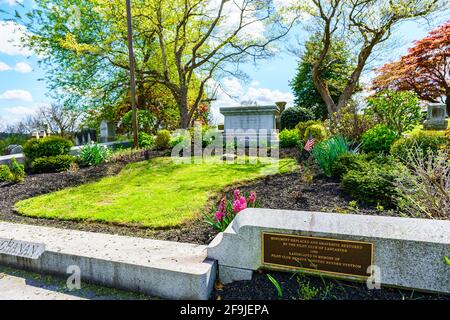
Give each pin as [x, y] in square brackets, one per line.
[277, 192]
[38, 184]
[312, 288]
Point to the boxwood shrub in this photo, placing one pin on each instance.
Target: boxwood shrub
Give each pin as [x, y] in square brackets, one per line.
[5, 173]
[46, 147]
[291, 116]
[57, 163]
[346, 162]
[378, 139]
[289, 138]
[162, 139]
[426, 141]
[372, 182]
[17, 170]
[146, 140]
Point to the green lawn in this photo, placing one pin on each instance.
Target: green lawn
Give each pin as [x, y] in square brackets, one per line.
[156, 193]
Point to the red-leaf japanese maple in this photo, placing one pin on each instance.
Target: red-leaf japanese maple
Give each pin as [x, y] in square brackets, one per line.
[424, 69]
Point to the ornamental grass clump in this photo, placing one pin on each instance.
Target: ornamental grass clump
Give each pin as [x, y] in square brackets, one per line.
[326, 152]
[94, 154]
[224, 214]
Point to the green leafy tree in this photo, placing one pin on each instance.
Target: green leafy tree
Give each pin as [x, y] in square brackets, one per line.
[399, 110]
[364, 25]
[179, 44]
[337, 68]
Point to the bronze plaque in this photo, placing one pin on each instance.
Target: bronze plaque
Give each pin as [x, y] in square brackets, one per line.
[340, 257]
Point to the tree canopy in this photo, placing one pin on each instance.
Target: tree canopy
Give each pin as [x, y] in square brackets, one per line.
[337, 68]
[425, 69]
[363, 24]
[180, 45]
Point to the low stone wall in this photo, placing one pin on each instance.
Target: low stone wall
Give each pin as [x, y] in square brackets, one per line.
[402, 252]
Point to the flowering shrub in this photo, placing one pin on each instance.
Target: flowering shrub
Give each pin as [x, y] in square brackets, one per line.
[222, 216]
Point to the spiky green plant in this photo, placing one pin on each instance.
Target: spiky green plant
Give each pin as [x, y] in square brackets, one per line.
[277, 286]
[326, 152]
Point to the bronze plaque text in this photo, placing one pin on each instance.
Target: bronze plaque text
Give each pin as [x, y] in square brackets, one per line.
[341, 257]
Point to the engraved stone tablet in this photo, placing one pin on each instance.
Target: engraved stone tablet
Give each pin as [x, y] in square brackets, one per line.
[23, 249]
[332, 256]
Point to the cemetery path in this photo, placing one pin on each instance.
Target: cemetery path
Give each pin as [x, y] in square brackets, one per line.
[21, 285]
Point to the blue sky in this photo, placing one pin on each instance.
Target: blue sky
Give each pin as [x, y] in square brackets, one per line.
[21, 92]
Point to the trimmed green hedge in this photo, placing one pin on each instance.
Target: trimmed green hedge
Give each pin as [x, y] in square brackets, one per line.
[372, 182]
[426, 141]
[46, 147]
[52, 164]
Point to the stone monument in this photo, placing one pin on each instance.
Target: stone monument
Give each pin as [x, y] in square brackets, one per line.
[393, 251]
[436, 117]
[85, 136]
[250, 122]
[107, 131]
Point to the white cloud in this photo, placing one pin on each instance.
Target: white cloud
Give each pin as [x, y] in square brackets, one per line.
[21, 110]
[23, 67]
[17, 113]
[16, 94]
[232, 93]
[10, 39]
[4, 66]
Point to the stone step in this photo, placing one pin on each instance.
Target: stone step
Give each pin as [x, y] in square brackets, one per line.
[165, 269]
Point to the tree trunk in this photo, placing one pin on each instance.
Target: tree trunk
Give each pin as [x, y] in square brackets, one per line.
[183, 106]
[447, 101]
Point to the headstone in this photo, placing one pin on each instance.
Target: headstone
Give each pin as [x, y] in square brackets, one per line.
[250, 123]
[436, 117]
[13, 149]
[392, 251]
[85, 136]
[107, 131]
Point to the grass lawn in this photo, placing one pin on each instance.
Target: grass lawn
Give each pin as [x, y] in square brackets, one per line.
[157, 193]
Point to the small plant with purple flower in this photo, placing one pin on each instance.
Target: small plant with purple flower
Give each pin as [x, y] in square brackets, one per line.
[224, 214]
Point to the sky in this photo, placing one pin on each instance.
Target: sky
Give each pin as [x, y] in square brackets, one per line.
[21, 91]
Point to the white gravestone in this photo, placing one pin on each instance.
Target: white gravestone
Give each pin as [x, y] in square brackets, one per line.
[107, 131]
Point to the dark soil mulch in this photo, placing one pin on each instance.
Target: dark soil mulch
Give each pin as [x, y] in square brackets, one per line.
[312, 288]
[277, 192]
[289, 192]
